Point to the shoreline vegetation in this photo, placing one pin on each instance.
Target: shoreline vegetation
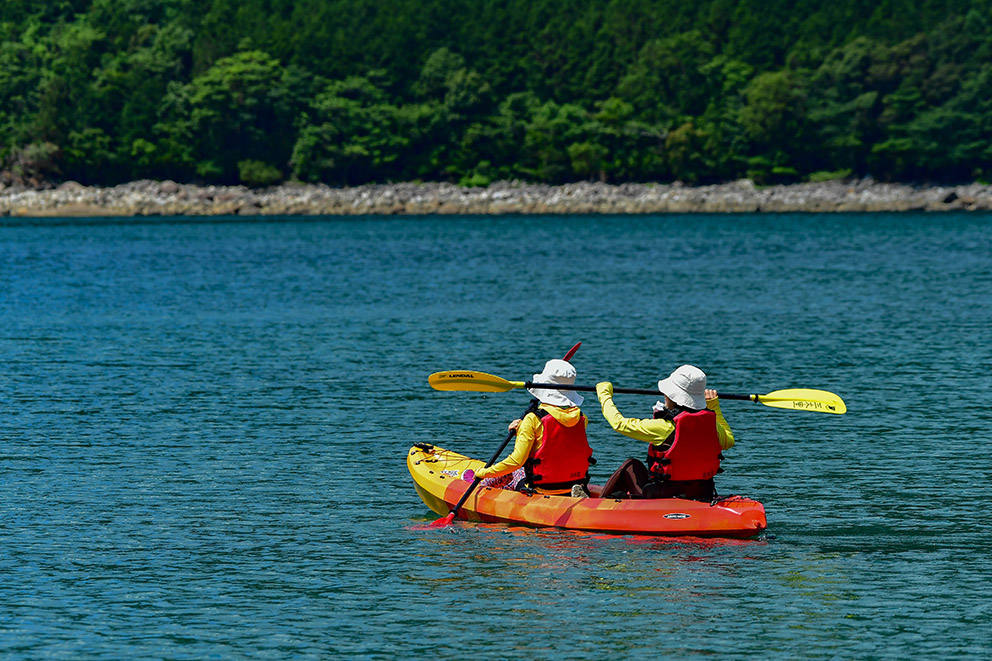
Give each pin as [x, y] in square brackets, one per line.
[168, 198]
[288, 107]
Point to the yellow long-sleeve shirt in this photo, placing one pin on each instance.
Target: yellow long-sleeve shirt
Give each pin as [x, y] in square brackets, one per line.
[657, 431]
[529, 433]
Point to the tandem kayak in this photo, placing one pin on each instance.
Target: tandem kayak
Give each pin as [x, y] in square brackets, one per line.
[437, 477]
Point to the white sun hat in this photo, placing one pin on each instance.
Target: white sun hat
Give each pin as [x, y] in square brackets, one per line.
[557, 371]
[686, 387]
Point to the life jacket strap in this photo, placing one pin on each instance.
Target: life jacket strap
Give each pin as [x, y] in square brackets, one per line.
[540, 414]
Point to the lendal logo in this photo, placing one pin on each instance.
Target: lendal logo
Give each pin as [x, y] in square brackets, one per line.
[455, 375]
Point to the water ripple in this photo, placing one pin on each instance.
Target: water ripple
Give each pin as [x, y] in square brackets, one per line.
[204, 427]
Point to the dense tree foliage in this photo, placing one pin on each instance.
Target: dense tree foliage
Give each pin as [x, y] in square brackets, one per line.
[356, 91]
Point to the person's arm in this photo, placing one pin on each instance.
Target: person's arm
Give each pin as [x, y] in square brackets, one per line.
[642, 429]
[722, 428]
[526, 433]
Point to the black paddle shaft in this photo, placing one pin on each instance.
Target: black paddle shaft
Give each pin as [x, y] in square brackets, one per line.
[565, 386]
[492, 460]
[623, 391]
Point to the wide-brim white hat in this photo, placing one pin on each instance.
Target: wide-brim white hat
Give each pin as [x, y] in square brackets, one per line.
[557, 371]
[686, 387]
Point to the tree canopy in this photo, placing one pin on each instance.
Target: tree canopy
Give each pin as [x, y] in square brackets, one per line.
[355, 91]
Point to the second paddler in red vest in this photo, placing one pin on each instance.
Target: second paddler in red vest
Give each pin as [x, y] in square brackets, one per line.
[685, 438]
[551, 454]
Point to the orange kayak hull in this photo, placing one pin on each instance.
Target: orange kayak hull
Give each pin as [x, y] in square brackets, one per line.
[437, 473]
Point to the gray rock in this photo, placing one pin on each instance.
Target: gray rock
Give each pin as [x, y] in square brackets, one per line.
[502, 197]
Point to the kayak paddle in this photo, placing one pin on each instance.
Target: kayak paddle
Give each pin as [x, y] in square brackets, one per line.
[446, 520]
[797, 399]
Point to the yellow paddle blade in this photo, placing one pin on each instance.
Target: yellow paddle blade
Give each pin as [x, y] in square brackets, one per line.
[469, 381]
[803, 399]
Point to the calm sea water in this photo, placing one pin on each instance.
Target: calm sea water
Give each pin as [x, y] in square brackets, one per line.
[203, 430]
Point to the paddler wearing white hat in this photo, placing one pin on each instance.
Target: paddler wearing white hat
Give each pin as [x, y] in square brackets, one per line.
[551, 454]
[685, 437]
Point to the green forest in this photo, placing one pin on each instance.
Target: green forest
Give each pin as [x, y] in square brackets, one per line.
[348, 92]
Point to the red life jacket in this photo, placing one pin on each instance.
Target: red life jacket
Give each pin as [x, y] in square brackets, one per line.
[563, 457]
[695, 452]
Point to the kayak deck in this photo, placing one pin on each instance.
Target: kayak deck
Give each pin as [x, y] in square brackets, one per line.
[437, 474]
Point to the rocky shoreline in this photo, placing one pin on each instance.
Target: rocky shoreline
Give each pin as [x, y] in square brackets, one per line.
[167, 198]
